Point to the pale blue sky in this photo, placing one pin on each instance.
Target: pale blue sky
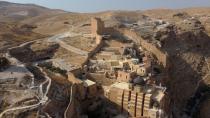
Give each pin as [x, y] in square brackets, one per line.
[102, 5]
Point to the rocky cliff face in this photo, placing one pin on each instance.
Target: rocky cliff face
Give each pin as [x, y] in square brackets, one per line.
[35, 51]
[187, 44]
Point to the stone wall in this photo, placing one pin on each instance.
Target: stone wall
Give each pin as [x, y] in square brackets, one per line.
[161, 55]
[99, 45]
[97, 48]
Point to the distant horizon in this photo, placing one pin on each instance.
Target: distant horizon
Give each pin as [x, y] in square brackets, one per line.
[94, 6]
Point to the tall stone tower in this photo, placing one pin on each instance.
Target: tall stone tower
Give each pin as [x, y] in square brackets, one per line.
[97, 26]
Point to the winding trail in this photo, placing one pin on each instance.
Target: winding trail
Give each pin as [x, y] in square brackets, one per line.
[48, 80]
[70, 101]
[21, 108]
[43, 100]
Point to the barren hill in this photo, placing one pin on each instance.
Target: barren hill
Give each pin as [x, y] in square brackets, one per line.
[17, 12]
[56, 22]
[12, 34]
[13, 28]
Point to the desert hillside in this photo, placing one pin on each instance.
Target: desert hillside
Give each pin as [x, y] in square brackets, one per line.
[17, 12]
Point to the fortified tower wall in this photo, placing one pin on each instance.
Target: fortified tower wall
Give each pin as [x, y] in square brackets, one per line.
[97, 26]
[97, 30]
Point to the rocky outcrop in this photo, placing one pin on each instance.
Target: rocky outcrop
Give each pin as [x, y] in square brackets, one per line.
[34, 52]
[4, 63]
